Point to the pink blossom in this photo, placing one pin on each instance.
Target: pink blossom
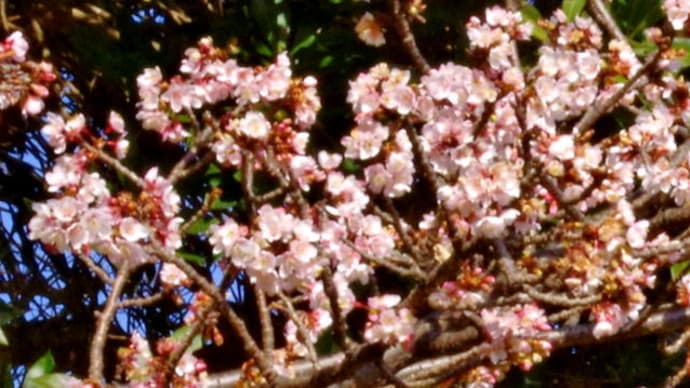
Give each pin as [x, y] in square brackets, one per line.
[254, 125]
[222, 237]
[182, 96]
[609, 319]
[116, 123]
[563, 148]
[172, 276]
[54, 131]
[274, 223]
[365, 140]
[32, 105]
[18, 45]
[275, 81]
[637, 234]
[132, 230]
[370, 31]
[677, 12]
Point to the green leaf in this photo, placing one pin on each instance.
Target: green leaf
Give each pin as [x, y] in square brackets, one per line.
[620, 79]
[350, 166]
[219, 204]
[681, 43]
[643, 48]
[634, 16]
[193, 258]
[540, 33]
[326, 61]
[212, 169]
[326, 343]
[44, 366]
[180, 333]
[532, 14]
[678, 269]
[572, 8]
[183, 118]
[215, 181]
[201, 225]
[264, 50]
[3, 338]
[308, 41]
[52, 380]
[8, 313]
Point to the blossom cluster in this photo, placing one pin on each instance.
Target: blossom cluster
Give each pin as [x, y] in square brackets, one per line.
[144, 369]
[551, 207]
[25, 83]
[86, 217]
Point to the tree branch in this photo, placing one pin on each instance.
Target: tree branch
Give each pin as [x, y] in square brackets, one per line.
[104, 320]
[402, 27]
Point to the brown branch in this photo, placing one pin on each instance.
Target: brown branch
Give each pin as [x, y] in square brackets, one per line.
[282, 175]
[552, 186]
[566, 314]
[141, 302]
[407, 242]
[3, 16]
[669, 217]
[248, 179]
[597, 110]
[412, 273]
[442, 366]
[402, 27]
[301, 329]
[233, 319]
[184, 343]
[677, 345]
[560, 299]
[677, 378]
[339, 328]
[390, 376]
[104, 319]
[205, 207]
[100, 273]
[582, 334]
[602, 15]
[114, 163]
[194, 168]
[267, 335]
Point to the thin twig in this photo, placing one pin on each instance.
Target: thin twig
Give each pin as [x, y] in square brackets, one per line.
[184, 343]
[104, 319]
[114, 163]
[233, 319]
[301, 329]
[402, 26]
[95, 268]
[597, 110]
[402, 232]
[202, 162]
[678, 344]
[201, 212]
[267, 335]
[561, 299]
[141, 302]
[3, 16]
[412, 273]
[602, 15]
[339, 328]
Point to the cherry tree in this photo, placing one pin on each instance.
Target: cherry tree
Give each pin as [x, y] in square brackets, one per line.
[512, 219]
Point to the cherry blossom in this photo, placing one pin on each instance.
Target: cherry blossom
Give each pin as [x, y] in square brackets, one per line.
[370, 31]
[531, 219]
